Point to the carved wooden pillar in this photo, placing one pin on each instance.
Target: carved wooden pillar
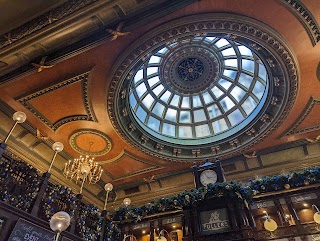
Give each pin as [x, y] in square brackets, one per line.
[294, 215]
[280, 210]
[151, 230]
[103, 225]
[250, 218]
[76, 214]
[44, 184]
[242, 219]
[186, 226]
[232, 216]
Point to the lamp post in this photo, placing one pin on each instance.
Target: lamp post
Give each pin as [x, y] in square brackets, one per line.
[57, 147]
[18, 117]
[108, 187]
[59, 222]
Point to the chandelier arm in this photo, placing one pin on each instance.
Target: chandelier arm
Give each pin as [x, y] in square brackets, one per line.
[83, 180]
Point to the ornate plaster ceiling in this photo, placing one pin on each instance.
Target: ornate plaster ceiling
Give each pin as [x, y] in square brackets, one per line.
[68, 73]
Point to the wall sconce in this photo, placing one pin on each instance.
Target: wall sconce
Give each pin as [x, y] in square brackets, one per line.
[316, 216]
[270, 224]
[108, 187]
[18, 117]
[59, 222]
[127, 201]
[161, 236]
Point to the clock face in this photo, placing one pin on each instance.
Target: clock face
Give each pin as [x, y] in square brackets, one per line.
[207, 177]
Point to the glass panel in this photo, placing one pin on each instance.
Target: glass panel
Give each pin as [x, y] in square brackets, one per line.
[154, 123]
[158, 90]
[185, 117]
[225, 83]
[166, 96]
[185, 102]
[158, 109]
[235, 117]
[141, 114]
[171, 115]
[168, 129]
[244, 51]
[262, 72]
[141, 89]
[185, 132]
[148, 101]
[258, 89]
[238, 93]
[196, 101]
[248, 65]
[138, 76]
[245, 80]
[214, 111]
[222, 42]
[175, 100]
[230, 73]
[231, 62]
[217, 92]
[152, 70]
[199, 115]
[154, 60]
[226, 103]
[163, 50]
[219, 125]
[152, 81]
[228, 52]
[209, 39]
[132, 101]
[248, 105]
[202, 130]
[207, 98]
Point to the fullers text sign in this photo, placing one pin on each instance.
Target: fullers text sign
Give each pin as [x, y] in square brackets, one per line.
[215, 221]
[26, 231]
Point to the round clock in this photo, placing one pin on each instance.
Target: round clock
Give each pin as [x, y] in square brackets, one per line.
[207, 177]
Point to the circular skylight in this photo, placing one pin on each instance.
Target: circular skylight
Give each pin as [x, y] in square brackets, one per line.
[198, 90]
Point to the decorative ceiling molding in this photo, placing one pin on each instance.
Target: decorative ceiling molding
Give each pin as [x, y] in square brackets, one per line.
[306, 18]
[293, 129]
[264, 41]
[91, 132]
[44, 20]
[124, 154]
[90, 115]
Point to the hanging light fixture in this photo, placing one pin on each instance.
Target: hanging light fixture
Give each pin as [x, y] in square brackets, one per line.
[127, 201]
[270, 224]
[83, 169]
[108, 187]
[59, 222]
[161, 236]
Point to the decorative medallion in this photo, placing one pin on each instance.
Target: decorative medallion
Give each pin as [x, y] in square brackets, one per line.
[200, 82]
[90, 142]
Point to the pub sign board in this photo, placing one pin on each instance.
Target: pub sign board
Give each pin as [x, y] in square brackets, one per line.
[214, 221]
[27, 231]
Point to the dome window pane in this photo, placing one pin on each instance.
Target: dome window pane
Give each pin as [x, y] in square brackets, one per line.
[231, 63]
[248, 105]
[228, 52]
[217, 92]
[222, 42]
[219, 126]
[245, 80]
[163, 50]
[185, 102]
[171, 115]
[141, 114]
[258, 90]
[148, 101]
[168, 129]
[214, 111]
[235, 117]
[238, 93]
[154, 123]
[244, 51]
[138, 76]
[154, 60]
[175, 100]
[185, 132]
[152, 70]
[226, 103]
[165, 96]
[158, 90]
[262, 72]
[141, 89]
[225, 83]
[199, 115]
[202, 130]
[230, 73]
[185, 117]
[154, 80]
[196, 101]
[248, 65]
[132, 100]
[207, 98]
[158, 109]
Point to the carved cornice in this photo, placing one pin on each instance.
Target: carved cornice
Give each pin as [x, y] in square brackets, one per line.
[264, 41]
[42, 21]
[90, 116]
[306, 18]
[293, 129]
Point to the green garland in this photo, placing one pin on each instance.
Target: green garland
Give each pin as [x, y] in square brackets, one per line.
[231, 190]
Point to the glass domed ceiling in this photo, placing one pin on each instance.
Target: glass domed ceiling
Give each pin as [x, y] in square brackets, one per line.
[199, 89]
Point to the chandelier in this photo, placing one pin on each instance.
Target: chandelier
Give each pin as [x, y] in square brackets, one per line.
[83, 169]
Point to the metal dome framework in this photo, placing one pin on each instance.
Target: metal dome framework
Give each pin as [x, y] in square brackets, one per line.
[274, 67]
